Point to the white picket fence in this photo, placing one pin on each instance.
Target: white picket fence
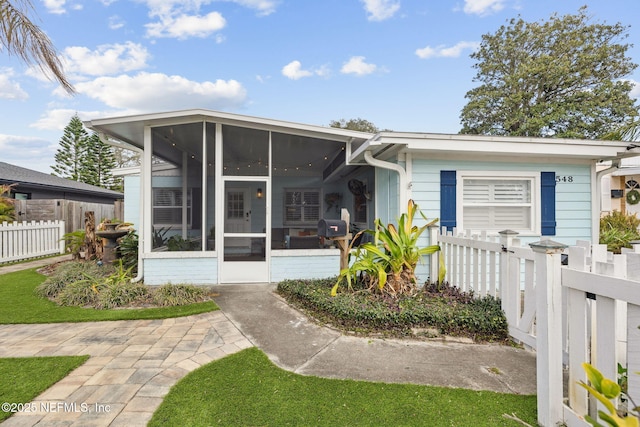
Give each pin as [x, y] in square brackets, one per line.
[586, 311]
[25, 240]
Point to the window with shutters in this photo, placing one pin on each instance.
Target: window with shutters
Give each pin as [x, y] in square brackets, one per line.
[301, 206]
[495, 203]
[167, 206]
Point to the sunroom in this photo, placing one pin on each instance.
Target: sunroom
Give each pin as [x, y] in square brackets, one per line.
[225, 198]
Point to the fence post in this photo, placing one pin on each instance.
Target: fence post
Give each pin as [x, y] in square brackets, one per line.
[549, 331]
[434, 262]
[507, 294]
[61, 232]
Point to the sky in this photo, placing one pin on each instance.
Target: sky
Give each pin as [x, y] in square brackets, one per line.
[403, 65]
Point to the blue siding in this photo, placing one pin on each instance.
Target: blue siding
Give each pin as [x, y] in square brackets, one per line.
[132, 200]
[304, 267]
[197, 271]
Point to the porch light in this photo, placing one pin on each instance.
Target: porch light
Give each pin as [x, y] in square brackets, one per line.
[259, 193]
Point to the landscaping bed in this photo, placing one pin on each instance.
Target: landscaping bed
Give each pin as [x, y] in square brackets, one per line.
[429, 312]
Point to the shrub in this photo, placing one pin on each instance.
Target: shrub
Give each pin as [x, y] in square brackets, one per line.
[617, 230]
[70, 272]
[181, 294]
[128, 250]
[452, 312]
[82, 293]
[121, 294]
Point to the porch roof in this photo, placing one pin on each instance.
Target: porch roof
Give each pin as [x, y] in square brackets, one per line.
[385, 144]
[130, 129]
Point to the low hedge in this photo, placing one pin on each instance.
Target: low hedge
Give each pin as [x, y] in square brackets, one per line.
[451, 313]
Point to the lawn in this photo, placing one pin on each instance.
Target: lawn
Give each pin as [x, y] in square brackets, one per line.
[25, 378]
[19, 304]
[247, 389]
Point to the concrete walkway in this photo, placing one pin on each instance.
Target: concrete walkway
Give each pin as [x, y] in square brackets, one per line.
[133, 364]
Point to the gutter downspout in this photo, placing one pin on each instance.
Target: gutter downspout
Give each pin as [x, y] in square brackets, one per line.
[402, 177]
[119, 144]
[615, 165]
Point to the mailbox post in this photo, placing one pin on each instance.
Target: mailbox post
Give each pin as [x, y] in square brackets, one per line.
[338, 231]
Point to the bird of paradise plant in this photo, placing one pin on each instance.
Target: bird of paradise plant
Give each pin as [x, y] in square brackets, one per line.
[388, 263]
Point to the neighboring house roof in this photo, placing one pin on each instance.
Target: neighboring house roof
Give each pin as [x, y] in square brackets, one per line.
[10, 174]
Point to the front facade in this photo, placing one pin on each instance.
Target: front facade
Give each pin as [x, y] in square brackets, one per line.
[237, 199]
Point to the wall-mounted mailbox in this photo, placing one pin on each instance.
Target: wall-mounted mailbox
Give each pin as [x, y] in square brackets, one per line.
[332, 228]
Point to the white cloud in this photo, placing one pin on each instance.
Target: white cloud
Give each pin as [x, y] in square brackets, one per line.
[263, 7]
[379, 10]
[106, 59]
[294, 71]
[10, 89]
[155, 91]
[57, 118]
[55, 6]
[635, 91]
[446, 52]
[184, 26]
[28, 152]
[115, 22]
[356, 65]
[482, 7]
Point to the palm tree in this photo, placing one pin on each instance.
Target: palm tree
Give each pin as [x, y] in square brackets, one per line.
[629, 131]
[21, 37]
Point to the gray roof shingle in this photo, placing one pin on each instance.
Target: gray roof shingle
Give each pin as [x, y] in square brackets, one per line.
[10, 174]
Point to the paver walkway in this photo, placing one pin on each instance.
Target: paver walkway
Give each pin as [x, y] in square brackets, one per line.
[133, 365]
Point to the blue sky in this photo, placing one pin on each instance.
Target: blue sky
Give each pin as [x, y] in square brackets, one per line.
[402, 64]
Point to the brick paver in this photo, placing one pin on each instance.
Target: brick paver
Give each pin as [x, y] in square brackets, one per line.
[133, 365]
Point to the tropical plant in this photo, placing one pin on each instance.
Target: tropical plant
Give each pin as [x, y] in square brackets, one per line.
[159, 237]
[177, 243]
[606, 391]
[21, 37]
[618, 230]
[7, 208]
[128, 250]
[74, 242]
[388, 263]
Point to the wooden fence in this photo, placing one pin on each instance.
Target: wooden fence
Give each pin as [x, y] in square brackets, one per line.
[585, 311]
[69, 211]
[24, 240]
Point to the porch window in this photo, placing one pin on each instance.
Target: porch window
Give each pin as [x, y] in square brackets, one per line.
[167, 207]
[499, 203]
[301, 206]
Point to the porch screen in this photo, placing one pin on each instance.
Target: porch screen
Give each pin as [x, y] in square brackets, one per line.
[497, 204]
[301, 206]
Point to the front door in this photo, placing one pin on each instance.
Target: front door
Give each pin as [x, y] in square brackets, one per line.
[245, 232]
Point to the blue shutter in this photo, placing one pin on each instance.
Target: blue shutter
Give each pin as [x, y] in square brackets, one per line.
[548, 202]
[448, 199]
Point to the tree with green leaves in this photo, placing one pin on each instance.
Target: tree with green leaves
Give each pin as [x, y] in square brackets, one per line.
[84, 158]
[358, 124]
[21, 37]
[70, 156]
[98, 163]
[565, 77]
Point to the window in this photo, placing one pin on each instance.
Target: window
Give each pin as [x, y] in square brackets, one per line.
[301, 206]
[167, 206]
[496, 203]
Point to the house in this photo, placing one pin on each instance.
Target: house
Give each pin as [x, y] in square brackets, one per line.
[40, 196]
[238, 198]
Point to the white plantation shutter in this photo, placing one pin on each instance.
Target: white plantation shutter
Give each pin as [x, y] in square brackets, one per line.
[301, 206]
[497, 204]
[167, 206]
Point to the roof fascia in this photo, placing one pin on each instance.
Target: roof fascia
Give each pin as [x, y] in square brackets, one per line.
[499, 146]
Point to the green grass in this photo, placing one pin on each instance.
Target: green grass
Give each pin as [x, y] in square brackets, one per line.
[23, 379]
[247, 389]
[18, 304]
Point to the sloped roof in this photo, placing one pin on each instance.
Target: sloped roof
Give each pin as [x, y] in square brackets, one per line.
[10, 174]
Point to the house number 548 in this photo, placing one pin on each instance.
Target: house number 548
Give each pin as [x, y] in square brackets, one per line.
[564, 179]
